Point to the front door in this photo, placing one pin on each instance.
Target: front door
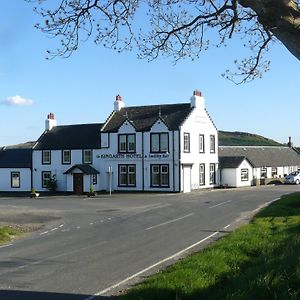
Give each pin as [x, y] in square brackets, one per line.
[186, 179]
[78, 183]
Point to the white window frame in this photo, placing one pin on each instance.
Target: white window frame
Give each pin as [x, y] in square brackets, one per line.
[66, 162]
[160, 136]
[212, 173]
[212, 143]
[84, 156]
[160, 174]
[126, 172]
[45, 180]
[15, 180]
[186, 142]
[46, 157]
[244, 174]
[126, 142]
[201, 143]
[202, 174]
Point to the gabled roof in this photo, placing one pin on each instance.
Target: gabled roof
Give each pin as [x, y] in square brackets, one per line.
[86, 169]
[263, 156]
[143, 117]
[231, 161]
[15, 158]
[80, 136]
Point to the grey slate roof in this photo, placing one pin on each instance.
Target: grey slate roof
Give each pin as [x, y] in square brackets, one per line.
[143, 117]
[263, 156]
[15, 158]
[86, 169]
[80, 136]
[231, 161]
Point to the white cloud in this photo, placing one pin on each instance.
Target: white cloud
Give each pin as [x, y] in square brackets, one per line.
[16, 101]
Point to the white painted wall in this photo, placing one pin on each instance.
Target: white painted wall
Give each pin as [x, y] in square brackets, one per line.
[5, 180]
[198, 123]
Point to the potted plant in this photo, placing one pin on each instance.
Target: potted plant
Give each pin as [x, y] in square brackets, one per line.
[91, 193]
[33, 193]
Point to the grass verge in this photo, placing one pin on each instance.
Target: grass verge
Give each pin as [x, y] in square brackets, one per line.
[260, 260]
[8, 233]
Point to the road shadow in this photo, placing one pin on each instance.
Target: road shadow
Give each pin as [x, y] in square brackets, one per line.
[33, 295]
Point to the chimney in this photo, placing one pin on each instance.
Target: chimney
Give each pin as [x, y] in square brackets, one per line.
[290, 144]
[50, 121]
[118, 104]
[197, 100]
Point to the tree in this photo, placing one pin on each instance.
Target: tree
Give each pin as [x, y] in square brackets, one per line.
[175, 28]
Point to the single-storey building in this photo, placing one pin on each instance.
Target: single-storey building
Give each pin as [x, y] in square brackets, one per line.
[268, 162]
[15, 169]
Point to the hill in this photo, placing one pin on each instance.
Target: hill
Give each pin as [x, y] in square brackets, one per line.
[228, 138]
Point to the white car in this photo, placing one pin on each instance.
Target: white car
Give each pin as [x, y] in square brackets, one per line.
[294, 177]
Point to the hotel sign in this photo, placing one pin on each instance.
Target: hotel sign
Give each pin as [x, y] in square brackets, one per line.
[132, 156]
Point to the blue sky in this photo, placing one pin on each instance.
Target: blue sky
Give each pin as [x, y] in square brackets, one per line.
[82, 88]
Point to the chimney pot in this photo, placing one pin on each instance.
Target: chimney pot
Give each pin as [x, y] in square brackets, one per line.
[197, 93]
[118, 98]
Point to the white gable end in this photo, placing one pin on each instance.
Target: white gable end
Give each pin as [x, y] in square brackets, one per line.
[127, 127]
[159, 126]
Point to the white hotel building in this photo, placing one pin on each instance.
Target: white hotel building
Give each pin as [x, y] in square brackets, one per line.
[172, 147]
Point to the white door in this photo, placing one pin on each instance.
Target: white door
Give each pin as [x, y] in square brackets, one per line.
[186, 179]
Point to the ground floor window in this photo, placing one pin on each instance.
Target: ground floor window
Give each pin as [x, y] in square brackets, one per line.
[274, 172]
[15, 179]
[244, 175]
[263, 172]
[46, 176]
[212, 173]
[159, 175]
[127, 175]
[202, 174]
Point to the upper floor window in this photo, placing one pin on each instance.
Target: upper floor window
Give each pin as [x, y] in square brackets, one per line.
[201, 143]
[159, 142]
[66, 157]
[186, 142]
[126, 143]
[263, 172]
[274, 172]
[46, 157]
[212, 144]
[87, 157]
[15, 179]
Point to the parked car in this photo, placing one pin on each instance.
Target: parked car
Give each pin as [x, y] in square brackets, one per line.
[294, 177]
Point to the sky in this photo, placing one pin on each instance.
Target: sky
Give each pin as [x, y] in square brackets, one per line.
[82, 88]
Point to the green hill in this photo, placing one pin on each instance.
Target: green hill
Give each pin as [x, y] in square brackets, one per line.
[228, 138]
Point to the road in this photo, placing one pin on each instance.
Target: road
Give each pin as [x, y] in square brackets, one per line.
[91, 248]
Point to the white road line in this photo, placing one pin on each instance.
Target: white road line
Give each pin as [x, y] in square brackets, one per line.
[45, 232]
[53, 229]
[168, 222]
[227, 226]
[78, 227]
[91, 223]
[4, 246]
[65, 230]
[151, 267]
[220, 204]
[60, 226]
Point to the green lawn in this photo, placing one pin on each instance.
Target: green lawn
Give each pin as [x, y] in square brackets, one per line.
[7, 234]
[260, 260]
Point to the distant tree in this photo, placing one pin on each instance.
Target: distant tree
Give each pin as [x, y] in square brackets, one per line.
[175, 28]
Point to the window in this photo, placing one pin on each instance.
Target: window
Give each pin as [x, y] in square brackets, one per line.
[46, 157]
[46, 176]
[159, 142]
[159, 175]
[212, 173]
[126, 142]
[202, 174]
[186, 142]
[263, 172]
[94, 179]
[212, 144]
[66, 157]
[127, 175]
[244, 174]
[274, 172]
[15, 179]
[87, 156]
[201, 143]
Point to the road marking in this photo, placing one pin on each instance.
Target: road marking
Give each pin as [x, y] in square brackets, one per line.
[91, 223]
[45, 232]
[53, 229]
[4, 246]
[151, 267]
[65, 230]
[78, 227]
[227, 226]
[220, 204]
[168, 222]
[60, 226]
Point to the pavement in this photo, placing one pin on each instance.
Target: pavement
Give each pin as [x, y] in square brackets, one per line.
[93, 248]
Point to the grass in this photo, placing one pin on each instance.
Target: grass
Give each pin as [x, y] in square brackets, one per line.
[260, 260]
[7, 234]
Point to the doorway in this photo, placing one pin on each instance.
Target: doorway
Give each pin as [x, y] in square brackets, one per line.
[78, 183]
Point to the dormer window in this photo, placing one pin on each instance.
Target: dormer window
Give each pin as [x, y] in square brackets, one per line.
[159, 142]
[126, 143]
